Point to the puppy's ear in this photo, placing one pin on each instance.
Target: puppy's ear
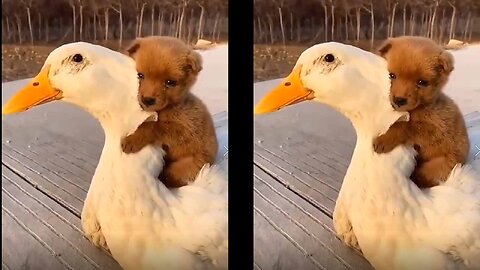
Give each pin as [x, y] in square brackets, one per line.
[446, 62]
[194, 62]
[133, 48]
[386, 46]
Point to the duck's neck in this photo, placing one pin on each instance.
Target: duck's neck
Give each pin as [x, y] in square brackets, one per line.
[134, 176]
[369, 124]
[375, 120]
[383, 177]
[121, 120]
[118, 125]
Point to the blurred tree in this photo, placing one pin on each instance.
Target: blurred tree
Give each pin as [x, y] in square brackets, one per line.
[94, 20]
[342, 20]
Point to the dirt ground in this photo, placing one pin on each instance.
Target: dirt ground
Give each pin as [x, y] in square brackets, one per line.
[275, 61]
[20, 62]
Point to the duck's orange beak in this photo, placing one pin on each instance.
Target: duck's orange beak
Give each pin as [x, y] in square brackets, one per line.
[38, 91]
[290, 91]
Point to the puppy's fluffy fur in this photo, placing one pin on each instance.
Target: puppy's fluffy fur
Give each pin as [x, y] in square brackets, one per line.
[167, 69]
[419, 69]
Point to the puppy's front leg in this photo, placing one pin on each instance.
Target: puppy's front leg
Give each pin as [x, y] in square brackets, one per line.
[143, 136]
[396, 135]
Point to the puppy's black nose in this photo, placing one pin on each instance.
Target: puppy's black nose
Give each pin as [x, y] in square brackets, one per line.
[399, 101]
[147, 101]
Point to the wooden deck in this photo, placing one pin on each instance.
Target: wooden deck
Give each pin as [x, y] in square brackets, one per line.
[301, 156]
[49, 156]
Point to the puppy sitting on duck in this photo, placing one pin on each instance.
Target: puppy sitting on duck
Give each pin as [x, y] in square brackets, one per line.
[167, 69]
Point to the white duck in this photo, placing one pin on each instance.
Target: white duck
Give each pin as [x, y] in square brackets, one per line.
[144, 224]
[397, 225]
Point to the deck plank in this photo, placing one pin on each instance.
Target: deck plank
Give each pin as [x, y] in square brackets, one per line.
[300, 182]
[66, 222]
[472, 121]
[272, 250]
[72, 151]
[48, 186]
[305, 226]
[23, 242]
[49, 224]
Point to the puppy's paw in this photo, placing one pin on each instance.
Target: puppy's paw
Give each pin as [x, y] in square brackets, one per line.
[383, 144]
[131, 145]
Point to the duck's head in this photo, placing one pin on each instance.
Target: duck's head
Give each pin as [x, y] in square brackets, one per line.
[101, 81]
[351, 80]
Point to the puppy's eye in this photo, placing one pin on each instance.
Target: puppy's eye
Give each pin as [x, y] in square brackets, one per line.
[77, 58]
[170, 83]
[392, 76]
[329, 58]
[422, 83]
[140, 76]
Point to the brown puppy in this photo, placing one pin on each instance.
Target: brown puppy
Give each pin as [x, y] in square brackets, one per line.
[167, 69]
[419, 69]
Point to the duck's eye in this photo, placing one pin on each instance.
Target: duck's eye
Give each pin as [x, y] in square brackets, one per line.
[329, 58]
[392, 76]
[422, 83]
[170, 83]
[140, 76]
[77, 58]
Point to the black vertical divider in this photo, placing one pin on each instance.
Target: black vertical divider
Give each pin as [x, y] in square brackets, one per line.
[240, 124]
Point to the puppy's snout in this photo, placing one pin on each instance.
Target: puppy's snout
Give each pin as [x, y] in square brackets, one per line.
[399, 101]
[148, 101]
